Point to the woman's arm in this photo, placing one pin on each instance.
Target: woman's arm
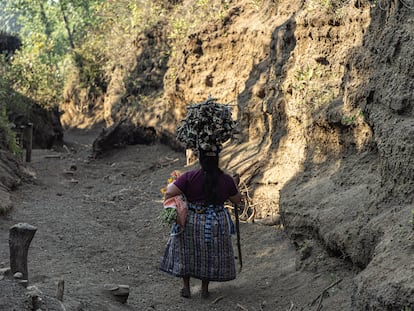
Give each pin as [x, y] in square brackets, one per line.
[172, 191]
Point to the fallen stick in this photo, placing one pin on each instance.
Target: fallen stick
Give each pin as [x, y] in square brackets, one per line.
[217, 300]
[66, 148]
[53, 156]
[242, 307]
[321, 295]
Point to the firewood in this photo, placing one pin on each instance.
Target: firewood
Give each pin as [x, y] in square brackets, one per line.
[208, 125]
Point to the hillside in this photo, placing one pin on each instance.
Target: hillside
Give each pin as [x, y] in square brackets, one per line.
[323, 95]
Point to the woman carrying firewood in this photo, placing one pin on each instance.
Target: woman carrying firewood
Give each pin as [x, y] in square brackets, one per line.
[202, 247]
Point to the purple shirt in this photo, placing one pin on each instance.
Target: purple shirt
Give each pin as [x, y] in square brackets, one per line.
[191, 184]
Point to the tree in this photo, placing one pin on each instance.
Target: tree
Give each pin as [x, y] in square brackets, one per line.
[52, 32]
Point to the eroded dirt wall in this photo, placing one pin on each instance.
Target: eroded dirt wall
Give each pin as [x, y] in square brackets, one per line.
[359, 205]
[388, 51]
[241, 61]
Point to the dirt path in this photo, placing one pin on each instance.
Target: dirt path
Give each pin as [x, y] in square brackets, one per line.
[98, 223]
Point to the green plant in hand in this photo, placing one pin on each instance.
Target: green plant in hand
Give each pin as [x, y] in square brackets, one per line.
[169, 215]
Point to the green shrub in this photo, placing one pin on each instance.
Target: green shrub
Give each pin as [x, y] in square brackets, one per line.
[7, 135]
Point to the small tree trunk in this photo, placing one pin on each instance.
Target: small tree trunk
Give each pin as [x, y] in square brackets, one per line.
[67, 26]
[20, 236]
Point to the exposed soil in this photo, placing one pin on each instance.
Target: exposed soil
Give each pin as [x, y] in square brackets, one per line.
[98, 223]
[324, 100]
[325, 104]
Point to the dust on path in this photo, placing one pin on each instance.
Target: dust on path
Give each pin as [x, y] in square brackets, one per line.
[98, 223]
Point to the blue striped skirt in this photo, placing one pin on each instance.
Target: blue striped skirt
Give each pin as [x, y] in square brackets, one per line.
[203, 249]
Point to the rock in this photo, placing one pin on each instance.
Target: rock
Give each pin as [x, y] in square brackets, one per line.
[34, 293]
[23, 283]
[33, 288]
[121, 134]
[269, 221]
[118, 292]
[18, 275]
[5, 271]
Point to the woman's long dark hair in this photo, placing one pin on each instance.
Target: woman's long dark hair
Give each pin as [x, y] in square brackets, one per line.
[209, 162]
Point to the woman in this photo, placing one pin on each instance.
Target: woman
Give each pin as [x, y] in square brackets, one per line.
[203, 249]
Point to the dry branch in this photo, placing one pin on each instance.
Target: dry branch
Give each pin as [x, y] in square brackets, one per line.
[322, 294]
[53, 156]
[242, 307]
[217, 300]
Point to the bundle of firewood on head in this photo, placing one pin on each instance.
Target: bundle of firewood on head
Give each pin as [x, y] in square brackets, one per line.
[207, 126]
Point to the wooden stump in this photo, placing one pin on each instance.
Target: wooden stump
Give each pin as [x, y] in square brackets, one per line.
[60, 289]
[20, 237]
[29, 143]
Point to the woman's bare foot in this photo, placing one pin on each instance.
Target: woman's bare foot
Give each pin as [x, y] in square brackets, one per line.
[205, 294]
[185, 292]
[204, 289]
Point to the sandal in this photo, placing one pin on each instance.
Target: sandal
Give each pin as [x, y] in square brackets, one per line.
[185, 292]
